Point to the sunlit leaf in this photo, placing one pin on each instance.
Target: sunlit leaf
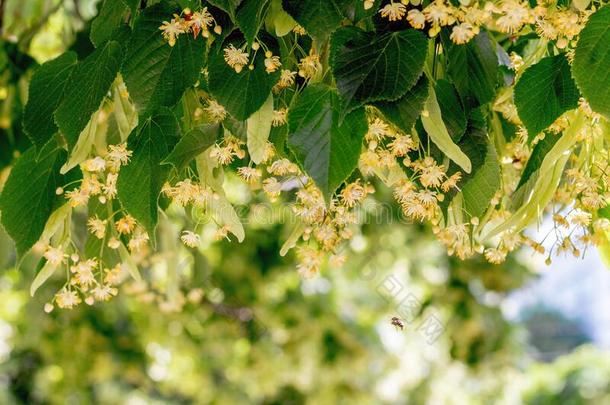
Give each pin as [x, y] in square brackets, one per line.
[437, 131]
[591, 67]
[258, 129]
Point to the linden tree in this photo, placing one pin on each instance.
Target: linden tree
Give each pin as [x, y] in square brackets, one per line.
[479, 116]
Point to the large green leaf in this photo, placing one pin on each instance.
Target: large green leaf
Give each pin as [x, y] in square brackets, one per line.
[437, 131]
[108, 20]
[88, 85]
[192, 144]
[327, 151]
[591, 67]
[531, 172]
[240, 93]
[229, 6]
[319, 17]
[473, 67]
[479, 187]
[278, 20]
[140, 182]
[250, 18]
[370, 67]
[451, 109]
[133, 5]
[543, 147]
[155, 73]
[45, 94]
[258, 128]
[544, 92]
[549, 174]
[28, 197]
[404, 112]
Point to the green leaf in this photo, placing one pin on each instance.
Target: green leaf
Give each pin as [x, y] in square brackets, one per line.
[278, 20]
[293, 238]
[210, 172]
[404, 112]
[125, 114]
[109, 19]
[591, 68]
[278, 138]
[44, 96]
[370, 67]
[544, 92]
[88, 85]
[140, 182]
[56, 223]
[28, 197]
[258, 127]
[250, 18]
[43, 275]
[132, 4]
[541, 149]
[240, 93]
[319, 17]
[94, 130]
[327, 151]
[236, 127]
[473, 67]
[437, 131]
[531, 172]
[451, 109]
[192, 144]
[479, 187]
[128, 263]
[229, 6]
[224, 213]
[549, 175]
[155, 73]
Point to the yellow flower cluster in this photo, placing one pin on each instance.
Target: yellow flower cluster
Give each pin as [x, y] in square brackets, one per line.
[322, 227]
[550, 21]
[90, 279]
[187, 192]
[100, 175]
[87, 281]
[390, 156]
[228, 150]
[237, 58]
[189, 22]
[325, 227]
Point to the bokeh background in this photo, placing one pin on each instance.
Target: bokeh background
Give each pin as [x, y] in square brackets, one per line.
[233, 323]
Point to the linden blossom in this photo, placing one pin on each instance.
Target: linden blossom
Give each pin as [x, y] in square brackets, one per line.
[197, 22]
[551, 21]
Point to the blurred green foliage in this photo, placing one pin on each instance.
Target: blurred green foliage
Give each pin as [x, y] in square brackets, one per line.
[260, 334]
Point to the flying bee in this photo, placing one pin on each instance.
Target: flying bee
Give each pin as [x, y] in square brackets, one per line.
[398, 323]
